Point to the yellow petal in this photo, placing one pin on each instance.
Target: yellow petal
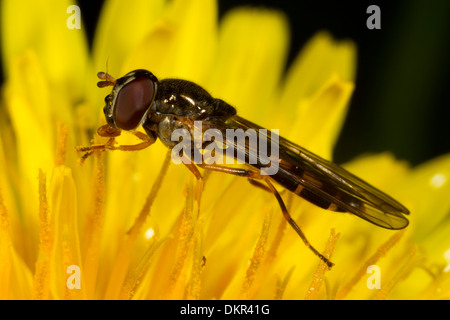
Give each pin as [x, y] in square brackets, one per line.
[427, 189]
[359, 273]
[117, 241]
[41, 284]
[198, 262]
[122, 25]
[21, 278]
[195, 41]
[136, 284]
[247, 289]
[5, 252]
[320, 59]
[320, 118]
[8, 168]
[181, 43]
[154, 52]
[93, 226]
[251, 55]
[64, 221]
[27, 100]
[410, 261]
[42, 27]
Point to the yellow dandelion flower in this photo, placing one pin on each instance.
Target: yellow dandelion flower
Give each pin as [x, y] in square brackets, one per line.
[130, 225]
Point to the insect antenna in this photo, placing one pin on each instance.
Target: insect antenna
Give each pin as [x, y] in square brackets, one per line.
[108, 80]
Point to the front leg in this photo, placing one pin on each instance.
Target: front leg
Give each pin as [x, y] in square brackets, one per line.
[112, 133]
[87, 151]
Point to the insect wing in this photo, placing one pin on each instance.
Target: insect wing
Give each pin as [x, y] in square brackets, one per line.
[330, 182]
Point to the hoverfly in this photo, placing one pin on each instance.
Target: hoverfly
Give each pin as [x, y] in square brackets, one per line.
[160, 107]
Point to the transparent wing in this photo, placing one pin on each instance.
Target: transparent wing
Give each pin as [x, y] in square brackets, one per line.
[325, 183]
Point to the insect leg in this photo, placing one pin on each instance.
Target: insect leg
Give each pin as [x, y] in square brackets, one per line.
[235, 171]
[87, 151]
[109, 145]
[194, 170]
[142, 136]
[259, 185]
[252, 177]
[131, 147]
[294, 225]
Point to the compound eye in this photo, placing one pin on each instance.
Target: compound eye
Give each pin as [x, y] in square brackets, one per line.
[132, 102]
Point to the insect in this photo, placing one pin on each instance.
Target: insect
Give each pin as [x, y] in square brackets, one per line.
[161, 107]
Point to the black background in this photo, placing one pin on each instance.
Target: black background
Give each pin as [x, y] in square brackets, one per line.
[400, 101]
